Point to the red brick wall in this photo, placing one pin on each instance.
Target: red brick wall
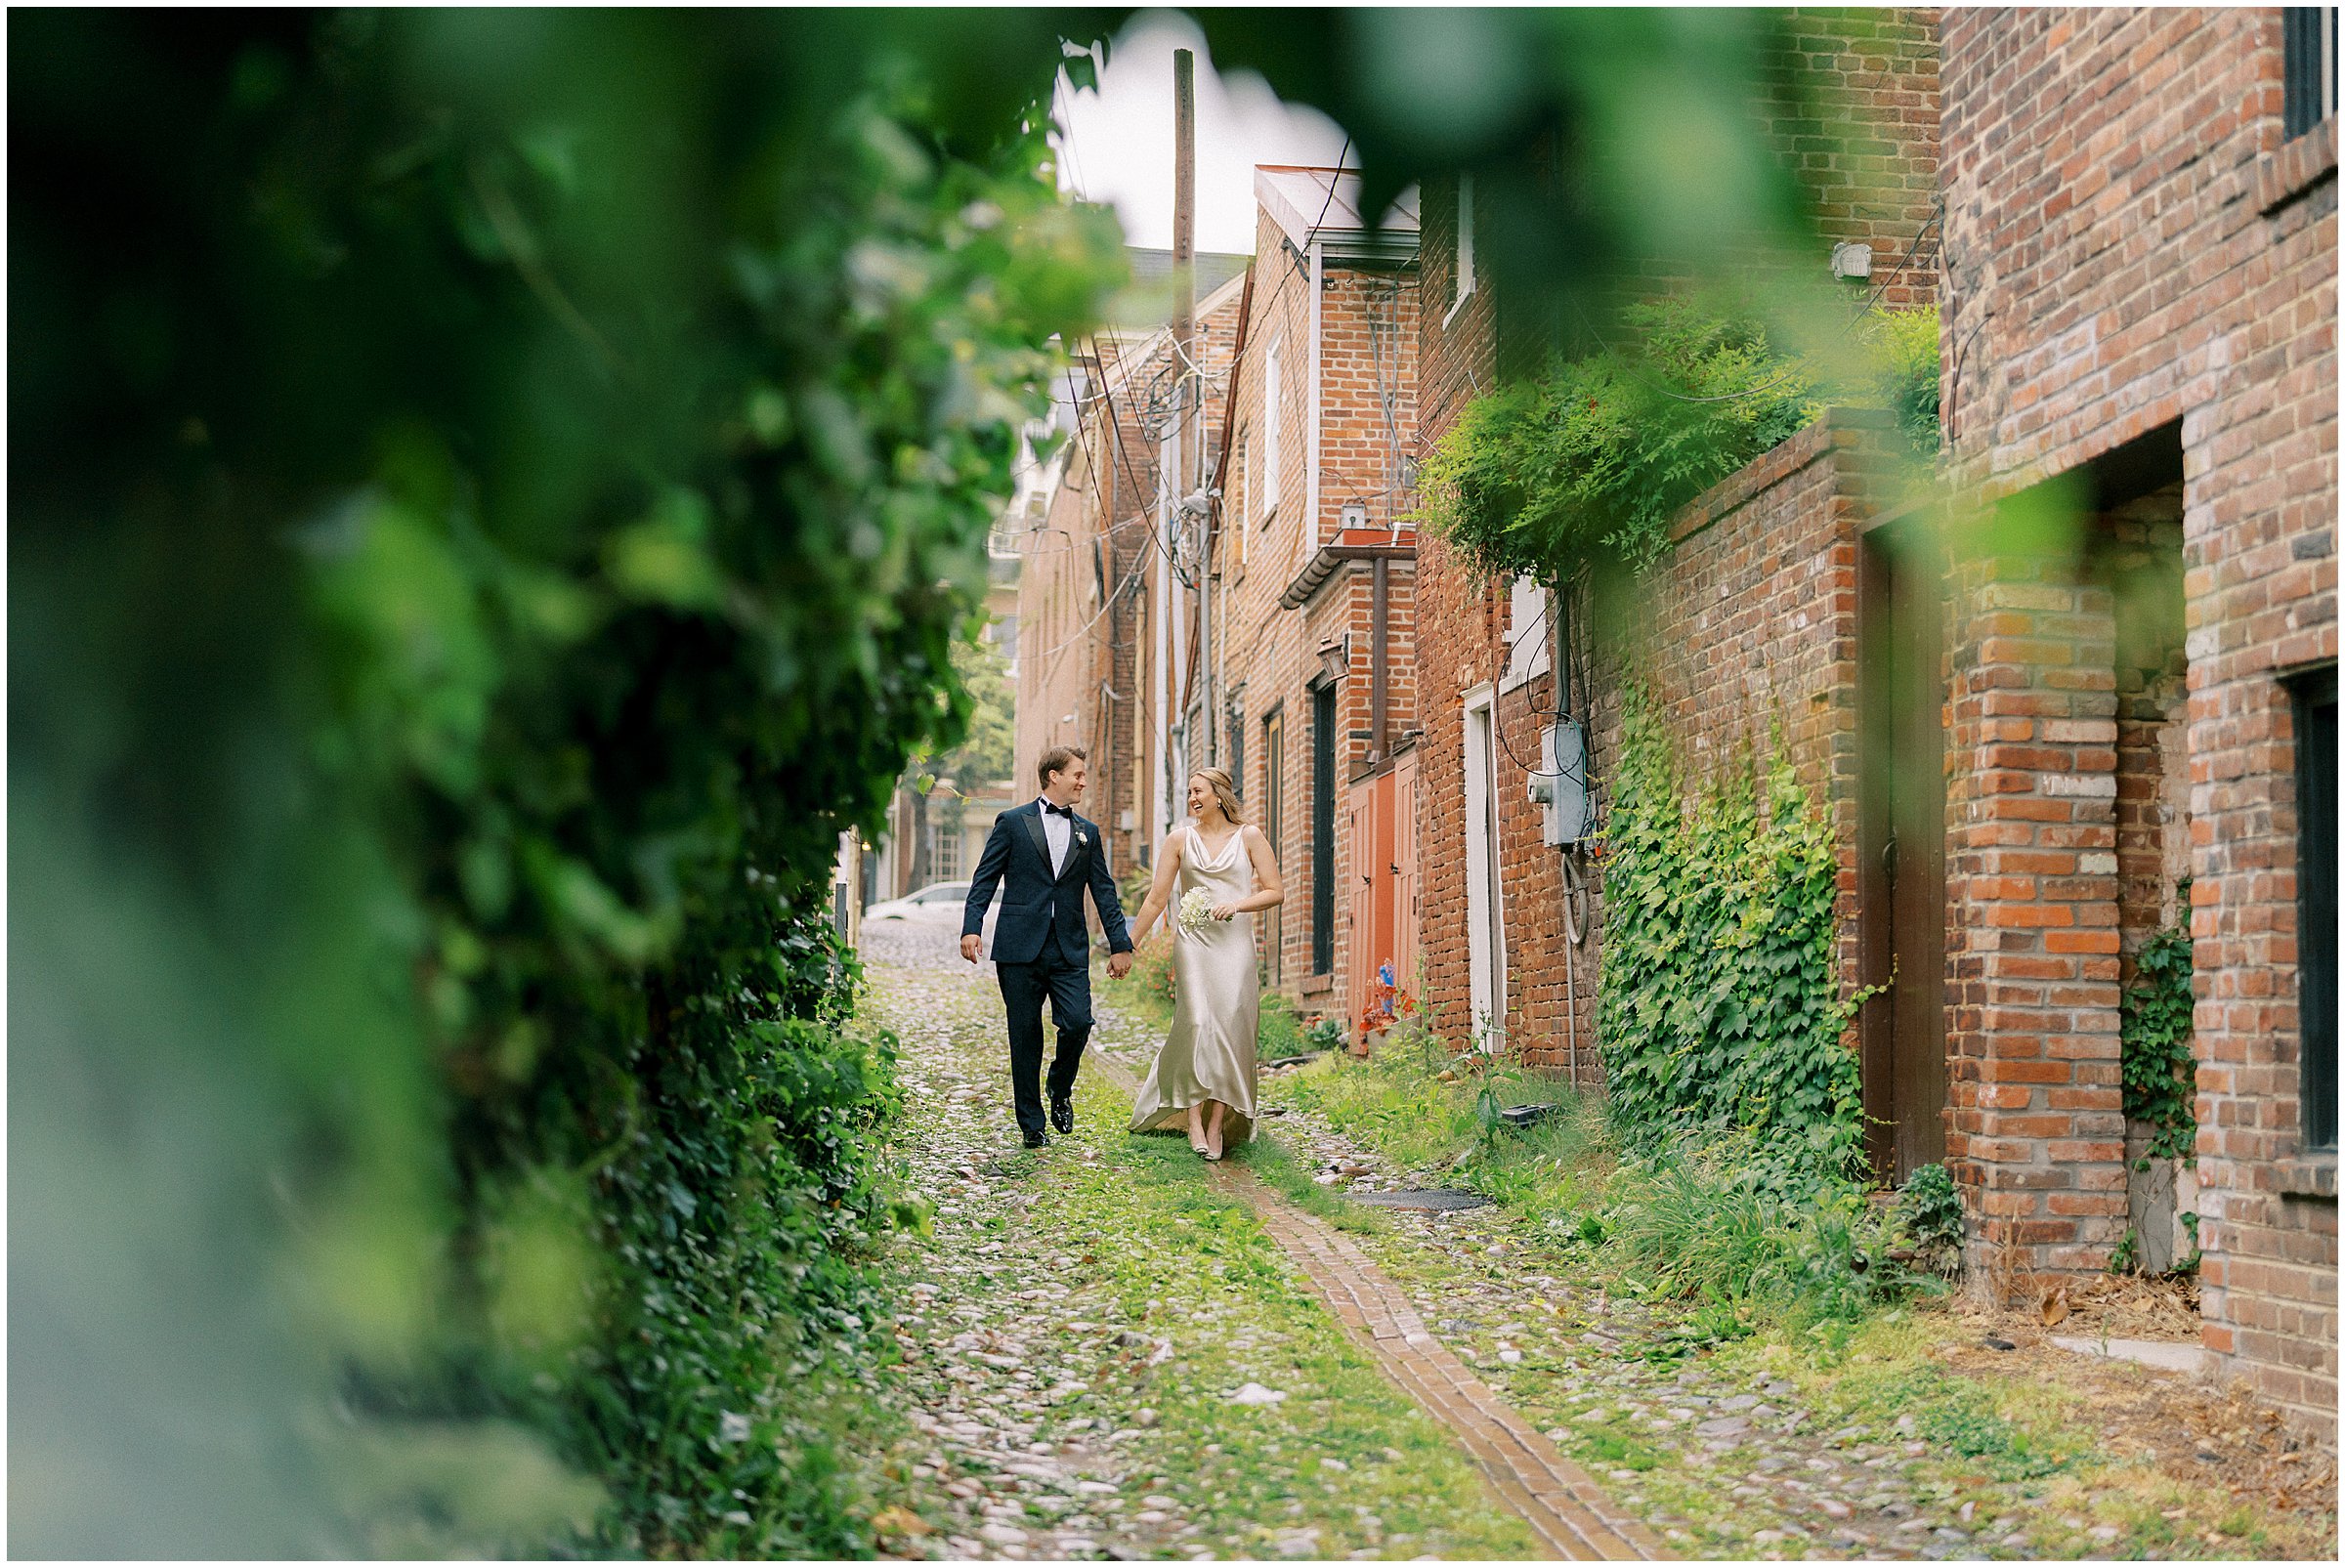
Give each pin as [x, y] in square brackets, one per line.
[1860, 125]
[2129, 245]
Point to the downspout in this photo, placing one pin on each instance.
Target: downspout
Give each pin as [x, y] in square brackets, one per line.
[1310, 478]
[1379, 617]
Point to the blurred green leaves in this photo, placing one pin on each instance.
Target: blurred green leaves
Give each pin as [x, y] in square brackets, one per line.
[494, 494]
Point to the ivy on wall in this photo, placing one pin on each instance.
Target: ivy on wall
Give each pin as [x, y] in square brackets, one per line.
[1721, 1001]
[2153, 1032]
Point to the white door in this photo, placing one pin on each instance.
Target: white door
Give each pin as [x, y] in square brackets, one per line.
[1485, 934]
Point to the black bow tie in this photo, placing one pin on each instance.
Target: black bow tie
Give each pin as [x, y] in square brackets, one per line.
[1059, 811]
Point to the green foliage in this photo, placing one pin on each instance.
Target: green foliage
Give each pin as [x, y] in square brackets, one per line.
[1280, 1033]
[1930, 1211]
[1960, 1415]
[1323, 1031]
[1726, 1218]
[1151, 976]
[989, 740]
[1903, 344]
[1720, 1006]
[498, 493]
[1592, 459]
[2153, 1030]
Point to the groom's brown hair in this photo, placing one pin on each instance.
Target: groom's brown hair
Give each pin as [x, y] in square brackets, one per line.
[1055, 760]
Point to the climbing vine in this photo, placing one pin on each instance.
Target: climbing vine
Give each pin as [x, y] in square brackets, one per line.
[2153, 1022]
[1721, 1001]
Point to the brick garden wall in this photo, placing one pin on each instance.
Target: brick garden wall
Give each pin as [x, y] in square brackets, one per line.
[2129, 248]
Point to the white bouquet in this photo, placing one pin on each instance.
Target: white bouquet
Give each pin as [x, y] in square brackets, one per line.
[1196, 909]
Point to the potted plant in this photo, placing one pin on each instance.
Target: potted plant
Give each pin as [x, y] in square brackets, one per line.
[1385, 1007]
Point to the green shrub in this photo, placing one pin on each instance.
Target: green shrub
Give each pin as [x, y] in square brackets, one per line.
[1930, 1211]
[1591, 460]
[522, 512]
[1903, 345]
[1324, 1032]
[1280, 1033]
[1739, 1219]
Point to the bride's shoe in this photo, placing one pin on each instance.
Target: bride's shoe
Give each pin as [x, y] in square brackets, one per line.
[1211, 1147]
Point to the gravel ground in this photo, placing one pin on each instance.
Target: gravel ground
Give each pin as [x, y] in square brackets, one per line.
[1077, 1324]
[1042, 1383]
[1747, 1455]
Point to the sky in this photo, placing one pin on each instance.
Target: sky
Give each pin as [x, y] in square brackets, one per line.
[1121, 136]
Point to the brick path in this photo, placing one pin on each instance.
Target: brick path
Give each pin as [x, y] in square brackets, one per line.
[1560, 1501]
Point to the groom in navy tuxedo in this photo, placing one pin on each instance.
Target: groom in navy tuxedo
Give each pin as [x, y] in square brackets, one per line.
[1046, 856]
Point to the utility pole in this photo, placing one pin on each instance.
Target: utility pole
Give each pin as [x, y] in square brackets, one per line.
[1191, 404]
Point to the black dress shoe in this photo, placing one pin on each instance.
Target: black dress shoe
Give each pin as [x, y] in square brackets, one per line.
[1062, 1113]
[1038, 1140]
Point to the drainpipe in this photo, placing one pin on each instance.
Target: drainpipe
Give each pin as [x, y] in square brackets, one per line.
[1377, 621]
[1310, 478]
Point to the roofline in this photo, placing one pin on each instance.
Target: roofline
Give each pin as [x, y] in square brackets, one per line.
[1360, 241]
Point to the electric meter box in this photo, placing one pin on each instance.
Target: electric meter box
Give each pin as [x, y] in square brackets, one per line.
[1560, 786]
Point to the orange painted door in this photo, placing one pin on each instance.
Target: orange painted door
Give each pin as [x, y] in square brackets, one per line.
[1359, 903]
[1403, 866]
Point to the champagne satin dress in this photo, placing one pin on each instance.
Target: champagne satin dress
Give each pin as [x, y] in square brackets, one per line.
[1217, 1003]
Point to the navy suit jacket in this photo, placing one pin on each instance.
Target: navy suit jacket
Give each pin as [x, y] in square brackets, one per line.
[1035, 904]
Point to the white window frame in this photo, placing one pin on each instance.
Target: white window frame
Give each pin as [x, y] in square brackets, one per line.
[1273, 471]
[1485, 900]
[1462, 284]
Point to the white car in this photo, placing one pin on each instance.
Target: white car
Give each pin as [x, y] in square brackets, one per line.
[937, 904]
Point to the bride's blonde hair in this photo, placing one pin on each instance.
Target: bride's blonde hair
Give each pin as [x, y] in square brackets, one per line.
[1226, 793]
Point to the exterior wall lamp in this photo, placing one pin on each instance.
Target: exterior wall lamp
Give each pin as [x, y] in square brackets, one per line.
[1335, 657]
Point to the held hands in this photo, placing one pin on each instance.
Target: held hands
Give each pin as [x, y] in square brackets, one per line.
[969, 946]
[1119, 964]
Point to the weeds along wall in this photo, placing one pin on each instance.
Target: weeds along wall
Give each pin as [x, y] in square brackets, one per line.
[458, 611]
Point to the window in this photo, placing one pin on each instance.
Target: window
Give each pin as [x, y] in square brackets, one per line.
[2308, 66]
[945, 861]
[1462, 283]
[2315, 703]
[1323, 830]
[1272, 475]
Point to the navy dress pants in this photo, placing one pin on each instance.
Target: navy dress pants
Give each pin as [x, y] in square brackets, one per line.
[1024, 985]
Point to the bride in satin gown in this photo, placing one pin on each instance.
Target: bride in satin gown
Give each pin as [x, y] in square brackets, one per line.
[1204, 1077]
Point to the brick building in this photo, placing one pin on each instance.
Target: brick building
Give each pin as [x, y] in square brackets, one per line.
[2095, 665]
[2140, 333]
[1314, 661]
[1098, 586]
